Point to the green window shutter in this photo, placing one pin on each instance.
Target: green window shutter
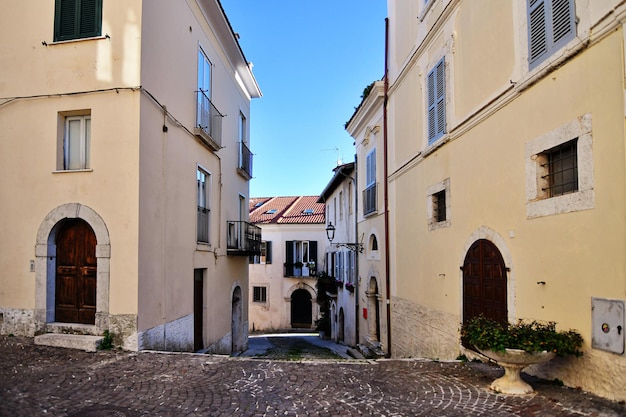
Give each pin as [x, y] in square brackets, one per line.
[313, 251]
[76, 19]
[268, 252]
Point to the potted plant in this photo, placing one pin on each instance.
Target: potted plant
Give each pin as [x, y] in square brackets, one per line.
[515, 346]
[350, 286]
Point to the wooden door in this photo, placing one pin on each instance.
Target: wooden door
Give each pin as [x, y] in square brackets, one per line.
[484, 282]
[198, 309]
[75, 299]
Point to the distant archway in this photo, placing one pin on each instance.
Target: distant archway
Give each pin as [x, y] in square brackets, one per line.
[237, 335]
[301, 309]
[373, 310]
[340, 326]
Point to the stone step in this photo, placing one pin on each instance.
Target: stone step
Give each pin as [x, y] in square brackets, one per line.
[71, 341]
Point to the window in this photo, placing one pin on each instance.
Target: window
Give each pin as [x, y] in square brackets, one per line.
[436, 98]
[77, 19]
[76, 142]
[369, 194]
[340, 205]
[559, 170]
[551, 24]
[245, 155]
[350, 209]
[208, 118]
[259, 294]
[439, 213]
[351, 262]
[439, 206]
[204, 212]
[266, 254]
[373, 243]
[300, 253]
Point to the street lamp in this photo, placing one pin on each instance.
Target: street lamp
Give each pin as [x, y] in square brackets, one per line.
[330, 233]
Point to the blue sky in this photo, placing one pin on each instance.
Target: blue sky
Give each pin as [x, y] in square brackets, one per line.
[312, 60]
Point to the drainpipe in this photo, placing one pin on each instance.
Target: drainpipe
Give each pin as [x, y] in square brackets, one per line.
[386, 191]
[356, 251]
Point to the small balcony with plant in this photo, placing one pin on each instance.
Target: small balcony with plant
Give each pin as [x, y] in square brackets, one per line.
[299, 269]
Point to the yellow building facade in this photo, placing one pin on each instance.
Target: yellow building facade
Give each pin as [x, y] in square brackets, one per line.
[125, 161]
[506, 176]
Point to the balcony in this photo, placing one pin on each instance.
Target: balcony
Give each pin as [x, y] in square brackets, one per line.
[208, 122]
[244, 239]
[369, 200]
[245, 161]
[300, 269]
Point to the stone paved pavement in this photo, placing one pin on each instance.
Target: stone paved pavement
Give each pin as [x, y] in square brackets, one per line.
[44, 381]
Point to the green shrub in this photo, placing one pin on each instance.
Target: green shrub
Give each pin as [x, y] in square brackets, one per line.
[531, 336]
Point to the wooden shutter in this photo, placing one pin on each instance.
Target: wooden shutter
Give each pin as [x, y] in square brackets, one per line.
[551, 24]
[313, 251]
[563, 22]
[268, 252]
[75, 19]
[436, 97]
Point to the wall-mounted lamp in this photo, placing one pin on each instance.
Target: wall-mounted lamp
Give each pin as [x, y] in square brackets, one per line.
[330, 233]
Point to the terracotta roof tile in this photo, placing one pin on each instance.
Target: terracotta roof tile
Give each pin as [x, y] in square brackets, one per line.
[296, 210]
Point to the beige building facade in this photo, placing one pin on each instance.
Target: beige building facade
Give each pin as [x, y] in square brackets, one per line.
[125, 161]
[506, 176]
[366, 127]
[283, 278]
[342, 254]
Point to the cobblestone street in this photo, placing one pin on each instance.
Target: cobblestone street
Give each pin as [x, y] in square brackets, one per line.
[37, 381]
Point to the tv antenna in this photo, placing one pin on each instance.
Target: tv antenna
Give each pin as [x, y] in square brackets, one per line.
[338, 152]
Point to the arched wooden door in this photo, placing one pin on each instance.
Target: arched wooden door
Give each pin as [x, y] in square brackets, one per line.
[301, 309]
[484, 282]
[75, 296]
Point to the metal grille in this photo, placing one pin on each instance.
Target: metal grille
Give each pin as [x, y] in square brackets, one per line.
[439, 206]
[203, 225]
[562, 165]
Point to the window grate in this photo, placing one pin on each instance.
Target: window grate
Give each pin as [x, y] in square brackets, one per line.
[562, 167]
[439, 206]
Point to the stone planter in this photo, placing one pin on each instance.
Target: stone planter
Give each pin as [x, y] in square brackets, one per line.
[513, 361]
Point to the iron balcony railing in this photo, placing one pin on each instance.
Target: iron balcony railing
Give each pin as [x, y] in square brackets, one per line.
[245, 159]
[244, 239]
[203, 224]
[208, 118]
[300, 270]
[369, 199]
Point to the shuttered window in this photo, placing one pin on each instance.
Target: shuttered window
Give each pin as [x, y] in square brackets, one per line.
[551, 24]
[76, 19]
[436, 97]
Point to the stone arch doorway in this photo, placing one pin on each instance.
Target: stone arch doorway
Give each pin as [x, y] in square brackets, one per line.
[373, 310]
[46, 264]
[75, 282]
[236, 327]
[340, 326]
[301, 309]
[484, 282]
